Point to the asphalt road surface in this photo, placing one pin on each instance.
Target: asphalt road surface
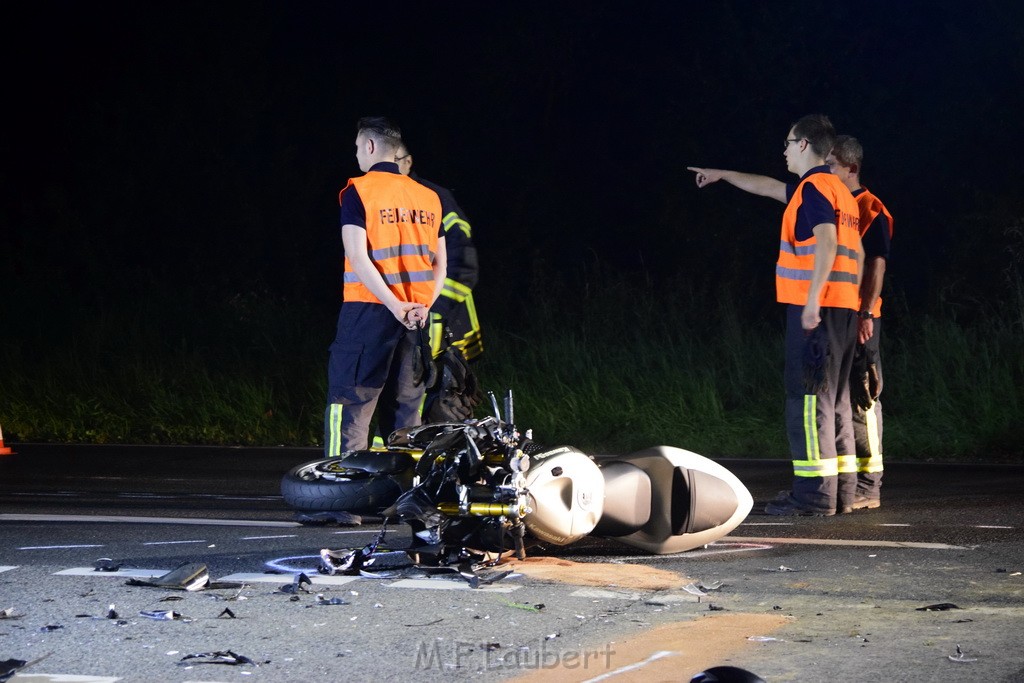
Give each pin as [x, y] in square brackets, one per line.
[790, 599]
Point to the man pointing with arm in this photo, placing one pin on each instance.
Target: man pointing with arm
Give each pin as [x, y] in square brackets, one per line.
[816, 278]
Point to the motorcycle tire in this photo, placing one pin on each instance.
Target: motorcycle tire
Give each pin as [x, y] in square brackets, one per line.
[350, 490]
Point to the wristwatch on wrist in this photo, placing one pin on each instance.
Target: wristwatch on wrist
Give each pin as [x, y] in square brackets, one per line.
[866, 315]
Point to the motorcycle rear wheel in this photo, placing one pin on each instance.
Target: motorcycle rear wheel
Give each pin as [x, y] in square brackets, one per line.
[324, 486]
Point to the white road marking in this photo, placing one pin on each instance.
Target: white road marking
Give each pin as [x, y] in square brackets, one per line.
[172, 542]
[130, 573]
[633, 667]
[450, 585]
[316, 579]
[601, 594]
[992, 526]
[62, 678]
[7, 568]
[128, 519]
[260, 538]
[767, 524]
[716, 548]
[57, 547]
[842, 542]
[893, 525]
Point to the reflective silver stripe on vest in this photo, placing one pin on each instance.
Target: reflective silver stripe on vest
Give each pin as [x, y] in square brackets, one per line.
[398, 278]
[401, 250]
[798, 274]
[808, 250]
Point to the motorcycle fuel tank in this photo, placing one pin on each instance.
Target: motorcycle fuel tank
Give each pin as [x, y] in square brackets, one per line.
[565, 494]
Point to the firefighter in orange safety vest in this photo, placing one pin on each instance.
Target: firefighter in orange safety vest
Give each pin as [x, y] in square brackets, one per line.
[395, 267]
[817, 278]
[876, 229]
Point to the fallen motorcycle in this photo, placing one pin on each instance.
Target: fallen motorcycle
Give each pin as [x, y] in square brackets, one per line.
[480, 486]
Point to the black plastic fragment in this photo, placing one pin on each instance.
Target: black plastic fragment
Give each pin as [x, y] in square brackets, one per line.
[220, 657]
[163, 615]
[321, 600]
[9, 667]
[340, 518]
[726, 674]
[227, 614]
[106, 564]
[297, 586]
[937, 607]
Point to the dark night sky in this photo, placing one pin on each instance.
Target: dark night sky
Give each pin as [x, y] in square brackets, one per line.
[206, 141]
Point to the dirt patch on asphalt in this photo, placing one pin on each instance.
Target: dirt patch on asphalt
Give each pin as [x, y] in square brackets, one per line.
[670, 652]
[632, 576]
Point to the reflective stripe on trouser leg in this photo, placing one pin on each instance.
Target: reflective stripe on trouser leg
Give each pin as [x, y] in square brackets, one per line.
[332, 430]
[872, 460]
[813, 465]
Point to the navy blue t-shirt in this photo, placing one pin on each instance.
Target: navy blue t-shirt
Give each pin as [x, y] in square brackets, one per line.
[815, 209]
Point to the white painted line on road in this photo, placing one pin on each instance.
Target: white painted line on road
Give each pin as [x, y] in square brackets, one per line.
[449, 585]
[7, 568]
[62, 678]
[127, 519]
[842, 542]
[716, 548]
[130, 573]
[767, 524]
[172, 542]
[161, 496]
[893, 525]
[57, 547]
[260, 538]
[632, 667]
[316, 579]
[992, 526]
[599, 593]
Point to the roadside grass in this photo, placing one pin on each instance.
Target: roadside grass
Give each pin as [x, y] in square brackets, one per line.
[607, 368]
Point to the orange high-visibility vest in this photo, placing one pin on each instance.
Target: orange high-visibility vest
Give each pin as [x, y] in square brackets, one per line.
[796, 257]
[870, 206]
[402, 225]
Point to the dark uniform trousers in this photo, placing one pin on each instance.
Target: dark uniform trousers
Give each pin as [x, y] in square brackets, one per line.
[867, 421]
[818, 411]
[371, 350]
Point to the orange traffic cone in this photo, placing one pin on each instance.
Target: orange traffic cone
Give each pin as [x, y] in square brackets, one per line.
[4, 450]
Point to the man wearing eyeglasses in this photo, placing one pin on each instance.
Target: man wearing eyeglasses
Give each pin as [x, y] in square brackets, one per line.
[817, 278]
[876, 227]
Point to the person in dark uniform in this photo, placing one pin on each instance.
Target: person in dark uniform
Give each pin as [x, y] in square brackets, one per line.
[817, 278]
[395, 267]
[455, 308]
[876, 229]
